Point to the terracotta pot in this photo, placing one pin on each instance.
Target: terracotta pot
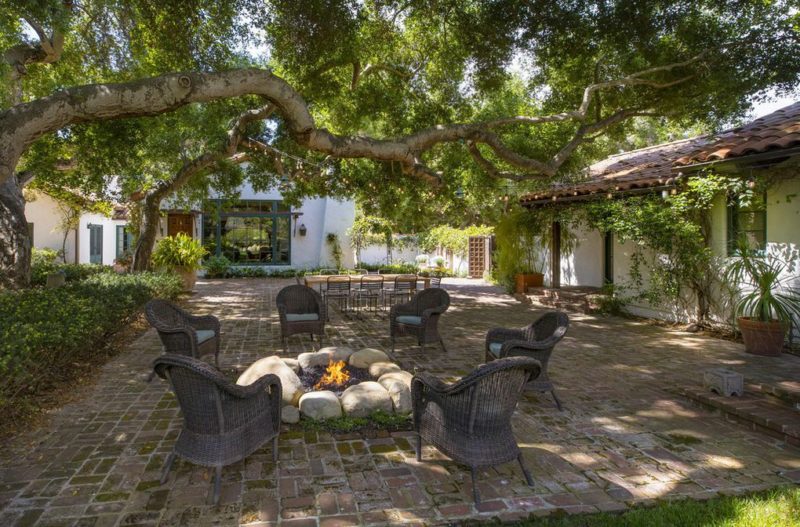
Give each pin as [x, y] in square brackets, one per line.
[525, 280]
[762, 338]
[189, 277]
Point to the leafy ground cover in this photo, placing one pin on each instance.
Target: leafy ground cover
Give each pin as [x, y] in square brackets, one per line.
[46, 335]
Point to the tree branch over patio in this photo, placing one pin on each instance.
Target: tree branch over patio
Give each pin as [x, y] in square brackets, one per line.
[24, 123]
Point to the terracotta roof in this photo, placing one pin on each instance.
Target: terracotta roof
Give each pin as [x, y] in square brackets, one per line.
[776, 131]
[643, 168]
[654, 166]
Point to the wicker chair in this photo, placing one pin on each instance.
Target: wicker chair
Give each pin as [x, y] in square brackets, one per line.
[420, 317]
[436, 281]
[300, 310]
[470, 420]
[183, 333]
[536, 340]
[222, 422]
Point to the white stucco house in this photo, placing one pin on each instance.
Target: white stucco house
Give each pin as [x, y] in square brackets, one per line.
[767, 148]
[258, 229]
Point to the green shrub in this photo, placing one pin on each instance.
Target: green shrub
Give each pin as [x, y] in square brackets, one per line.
[45, 331]
[179, 251]
[44, 262]
[217, 267]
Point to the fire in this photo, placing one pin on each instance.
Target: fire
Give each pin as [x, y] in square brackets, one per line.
[334, 375]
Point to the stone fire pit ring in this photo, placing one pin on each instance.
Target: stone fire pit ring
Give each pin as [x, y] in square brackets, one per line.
[388, 388]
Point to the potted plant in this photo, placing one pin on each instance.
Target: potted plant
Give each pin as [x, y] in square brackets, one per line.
[767, 304]
[181, 254]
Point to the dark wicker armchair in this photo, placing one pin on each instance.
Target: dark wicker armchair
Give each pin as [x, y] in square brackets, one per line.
[183, 333]
[223, 423]
[420, 317]
[536, 340]
[470, 420]
[301, 310]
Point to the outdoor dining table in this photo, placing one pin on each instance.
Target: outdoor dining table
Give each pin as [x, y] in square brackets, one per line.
[315, 280]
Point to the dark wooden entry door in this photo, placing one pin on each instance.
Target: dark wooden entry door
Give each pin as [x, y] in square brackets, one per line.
[180, 223]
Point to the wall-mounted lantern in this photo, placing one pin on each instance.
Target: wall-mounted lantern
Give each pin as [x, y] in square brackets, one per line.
[302, 229]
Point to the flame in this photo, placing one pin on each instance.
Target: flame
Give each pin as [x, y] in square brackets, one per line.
[334, 375]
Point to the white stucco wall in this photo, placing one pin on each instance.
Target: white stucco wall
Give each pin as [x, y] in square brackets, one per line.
[376, 254]
[45, 215]
[584, 265]
[109, 237]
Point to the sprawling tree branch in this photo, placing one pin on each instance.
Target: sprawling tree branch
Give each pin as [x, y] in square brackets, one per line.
[24, 123]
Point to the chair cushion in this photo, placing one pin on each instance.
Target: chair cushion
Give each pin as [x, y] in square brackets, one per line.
[410, 319]
[301, 317]
[495, 347]
[204, 335]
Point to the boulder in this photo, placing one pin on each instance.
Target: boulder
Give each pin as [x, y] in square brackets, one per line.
[291, 386]
[314, 358]
[367, 356]
[399, 392]
[293, 364]
[341, 352]
[403, 376]
[320, 405]
[364, 398]
[290, 414]
[376, 369]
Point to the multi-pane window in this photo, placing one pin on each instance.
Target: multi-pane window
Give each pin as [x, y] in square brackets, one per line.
[747, 220]
[248, 231]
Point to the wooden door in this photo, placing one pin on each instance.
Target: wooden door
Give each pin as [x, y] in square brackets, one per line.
[180, 223]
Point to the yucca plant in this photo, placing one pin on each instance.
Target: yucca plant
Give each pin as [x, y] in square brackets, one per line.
[179, 251]
[767, 303]
[768, 295]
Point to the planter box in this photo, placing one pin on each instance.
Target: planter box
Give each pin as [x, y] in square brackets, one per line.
[525, 280]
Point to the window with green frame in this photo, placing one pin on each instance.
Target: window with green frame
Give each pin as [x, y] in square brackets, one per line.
[124, 240]
[748, 221]
[248, 231]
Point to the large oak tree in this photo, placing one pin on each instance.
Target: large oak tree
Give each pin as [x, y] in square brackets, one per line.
[440, 94]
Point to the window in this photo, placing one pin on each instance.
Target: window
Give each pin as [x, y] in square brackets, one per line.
[248, 231]
[124, 240]
[747, 221]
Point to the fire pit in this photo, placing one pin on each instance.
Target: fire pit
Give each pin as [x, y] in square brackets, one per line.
[336, 377]
[335, 381]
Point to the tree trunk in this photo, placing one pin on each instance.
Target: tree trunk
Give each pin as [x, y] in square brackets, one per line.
[15, 244]
[145, 242]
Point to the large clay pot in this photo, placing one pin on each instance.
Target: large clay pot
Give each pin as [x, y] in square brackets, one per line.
[526, 280]
[762, 338]
[188, 275]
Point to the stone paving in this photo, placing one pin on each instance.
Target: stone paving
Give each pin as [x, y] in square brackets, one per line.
[625, 437]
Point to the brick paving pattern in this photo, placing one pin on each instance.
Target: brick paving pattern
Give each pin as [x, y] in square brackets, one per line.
[626, 436]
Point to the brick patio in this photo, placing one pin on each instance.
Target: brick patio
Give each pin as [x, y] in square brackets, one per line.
[626, 436]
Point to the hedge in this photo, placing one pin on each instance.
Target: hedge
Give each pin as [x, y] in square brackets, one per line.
[42, 331]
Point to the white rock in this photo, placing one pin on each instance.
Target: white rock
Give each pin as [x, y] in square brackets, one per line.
[290, 414]
[376, 369]
[403, 376]
[291, 386]
[320, 405]
[364, 398]
[293, 364]
[399, 392]
[314, 358]
[341, 352]
[367, 356]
